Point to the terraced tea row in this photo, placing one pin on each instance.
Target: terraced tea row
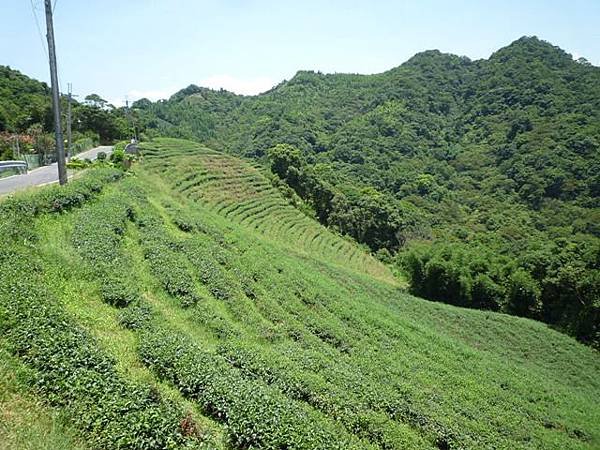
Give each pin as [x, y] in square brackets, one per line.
[207, 334]
[241, 192]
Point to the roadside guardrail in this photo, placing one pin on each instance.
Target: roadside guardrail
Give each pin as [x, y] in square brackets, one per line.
[14, 165]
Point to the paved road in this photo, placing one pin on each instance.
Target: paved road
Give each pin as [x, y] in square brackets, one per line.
[43, 175]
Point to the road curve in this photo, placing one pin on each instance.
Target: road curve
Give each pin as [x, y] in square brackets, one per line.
[44, 175]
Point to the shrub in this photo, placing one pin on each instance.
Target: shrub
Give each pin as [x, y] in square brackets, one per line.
[135, 317]
[486, 294]
[204, 260]
[117, 156]
[56, 198]
[166, 261]
[72, 372]
[362, 411]
[97, 237]
[189, 222]
[117, 290]
[16, 212]
[75, 163]
[524, 295]
[257, 416]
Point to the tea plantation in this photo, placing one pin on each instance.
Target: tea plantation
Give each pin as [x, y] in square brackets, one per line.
[189, 304]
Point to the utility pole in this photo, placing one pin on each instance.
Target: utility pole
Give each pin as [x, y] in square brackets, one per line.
[131, 120]
[58, 137]
[69, 140]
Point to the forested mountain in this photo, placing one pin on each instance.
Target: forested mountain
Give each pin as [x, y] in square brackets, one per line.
[481, 179]
[187, 305]
[190, 298]
[23, 101]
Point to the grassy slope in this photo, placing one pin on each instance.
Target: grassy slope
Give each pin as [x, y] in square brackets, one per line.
[235, 189]
[289, 310]
[25, 422]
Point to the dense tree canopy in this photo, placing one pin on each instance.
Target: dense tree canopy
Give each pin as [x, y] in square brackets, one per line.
[26, 110]
[482, 176]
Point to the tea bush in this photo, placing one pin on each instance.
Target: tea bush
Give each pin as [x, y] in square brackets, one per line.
[73, 373]
[56, 198]
[204, 258]
[97, 236]
[135, 316]
[333, 394]
[165, 259]
[257, 416]
[16, 212]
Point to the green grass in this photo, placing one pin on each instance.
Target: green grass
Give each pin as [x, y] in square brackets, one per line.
[25, 421]
[237, 190]
[296, 338]
[77, 285]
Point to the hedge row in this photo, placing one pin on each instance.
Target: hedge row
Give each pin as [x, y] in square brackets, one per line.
[17, 212]
[167, 263]
[191, 222]
[53, 199]
[73, 373]
[257, 415]
[207, 260]
[97, 236]
[361, 412]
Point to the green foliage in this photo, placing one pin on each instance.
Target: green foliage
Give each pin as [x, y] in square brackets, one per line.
[499, 154]
[26, 421]
[524, 295]
[368, 412]
[117, 156]
[211, 274]
[288, 347]
[117, 290]
[25, 107]
[367, 215]
[84, 143]
[555, 282]
[79, 377]
[97, 237]
[326, 340]
[23, 102]
[16, 212]
[164, 257]
[257, 416]
[136, 316]
[245, 195]
[77, 164]
[283, 157]
[70, 370]
[120, 146]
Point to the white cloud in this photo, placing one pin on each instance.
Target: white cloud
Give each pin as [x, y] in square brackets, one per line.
[249, 86]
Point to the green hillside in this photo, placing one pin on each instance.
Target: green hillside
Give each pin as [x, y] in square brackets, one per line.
[187, 304]
[23, 101]
[480, 179]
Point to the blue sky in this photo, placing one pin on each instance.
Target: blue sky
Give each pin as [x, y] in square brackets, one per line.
[152, 48]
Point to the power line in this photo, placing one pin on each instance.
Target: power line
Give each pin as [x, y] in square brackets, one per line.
[37, 24]
[59, 75]
[42, 40]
